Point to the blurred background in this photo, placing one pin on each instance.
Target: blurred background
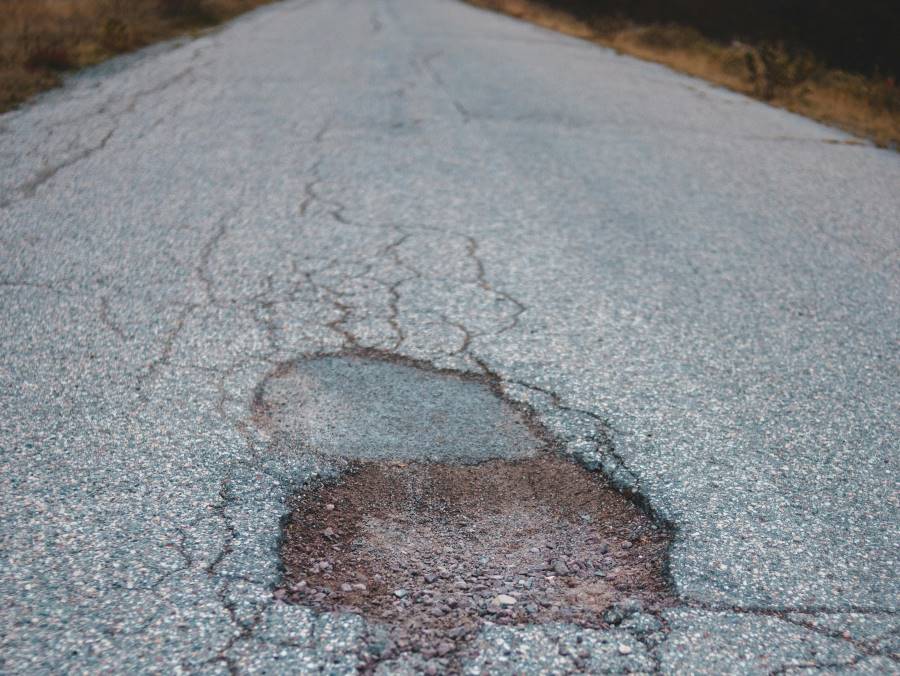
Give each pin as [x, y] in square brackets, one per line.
[833, 60]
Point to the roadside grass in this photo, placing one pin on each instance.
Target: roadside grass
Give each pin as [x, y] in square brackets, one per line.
[40, 40]
[867, 107]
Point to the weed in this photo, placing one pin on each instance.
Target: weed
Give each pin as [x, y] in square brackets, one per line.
[39, 39]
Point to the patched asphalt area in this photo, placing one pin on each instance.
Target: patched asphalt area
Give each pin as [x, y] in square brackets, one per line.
[370, 405]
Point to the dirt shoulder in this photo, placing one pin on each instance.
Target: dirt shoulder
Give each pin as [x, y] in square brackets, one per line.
[868, 107]
[41, 40]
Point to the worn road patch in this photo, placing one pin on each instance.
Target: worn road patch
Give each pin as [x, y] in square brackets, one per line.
[357, 407]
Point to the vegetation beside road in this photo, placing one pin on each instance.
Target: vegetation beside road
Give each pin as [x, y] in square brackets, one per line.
[783, 74]
[40, 40]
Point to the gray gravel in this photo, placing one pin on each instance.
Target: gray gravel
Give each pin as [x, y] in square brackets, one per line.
[697, 292]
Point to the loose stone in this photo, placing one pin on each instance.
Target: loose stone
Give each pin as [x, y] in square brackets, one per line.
[504, 600]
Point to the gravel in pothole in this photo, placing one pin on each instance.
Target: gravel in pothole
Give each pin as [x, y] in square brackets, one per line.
[433, 551]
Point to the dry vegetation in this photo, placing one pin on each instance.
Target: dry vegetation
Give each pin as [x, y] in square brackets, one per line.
[865, 106]
[41, 39]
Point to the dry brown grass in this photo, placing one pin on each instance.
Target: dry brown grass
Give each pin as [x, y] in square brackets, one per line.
[864, 106]
[41, 39]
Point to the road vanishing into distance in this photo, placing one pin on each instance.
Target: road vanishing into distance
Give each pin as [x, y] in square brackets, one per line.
[694, 291]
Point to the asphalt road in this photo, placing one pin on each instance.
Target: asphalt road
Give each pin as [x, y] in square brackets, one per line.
[697, 291]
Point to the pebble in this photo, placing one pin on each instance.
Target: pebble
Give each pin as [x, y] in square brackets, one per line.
[400, 593]
[615, 614]
[329, 507]
[624, 649]
[560, 568]
[504, 600]
[346, 587]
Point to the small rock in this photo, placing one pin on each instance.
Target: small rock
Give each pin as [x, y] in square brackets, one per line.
[444, 647]
[627, 545]
[328, 532]
[329, 507]
[624, 649]
[430, 578]
[632, 606]
[360, 587]
[615, 614]
[560, 568]
[504, 600]
[400, 593]
[346, 588]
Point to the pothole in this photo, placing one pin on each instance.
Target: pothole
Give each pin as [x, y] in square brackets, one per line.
[454, 511]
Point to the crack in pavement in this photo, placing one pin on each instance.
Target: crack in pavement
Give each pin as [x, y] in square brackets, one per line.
[28, 188]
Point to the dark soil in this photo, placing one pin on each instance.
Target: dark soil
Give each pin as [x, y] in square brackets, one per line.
[432, 551]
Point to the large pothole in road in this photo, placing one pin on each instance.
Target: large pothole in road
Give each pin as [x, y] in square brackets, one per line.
[454, 511]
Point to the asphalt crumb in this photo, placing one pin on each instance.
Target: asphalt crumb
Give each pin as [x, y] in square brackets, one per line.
[431, 552]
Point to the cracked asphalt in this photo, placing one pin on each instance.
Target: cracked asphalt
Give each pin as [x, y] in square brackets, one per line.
[695, 292]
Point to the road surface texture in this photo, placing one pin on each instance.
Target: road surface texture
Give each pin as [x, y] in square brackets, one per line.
[694, 291]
